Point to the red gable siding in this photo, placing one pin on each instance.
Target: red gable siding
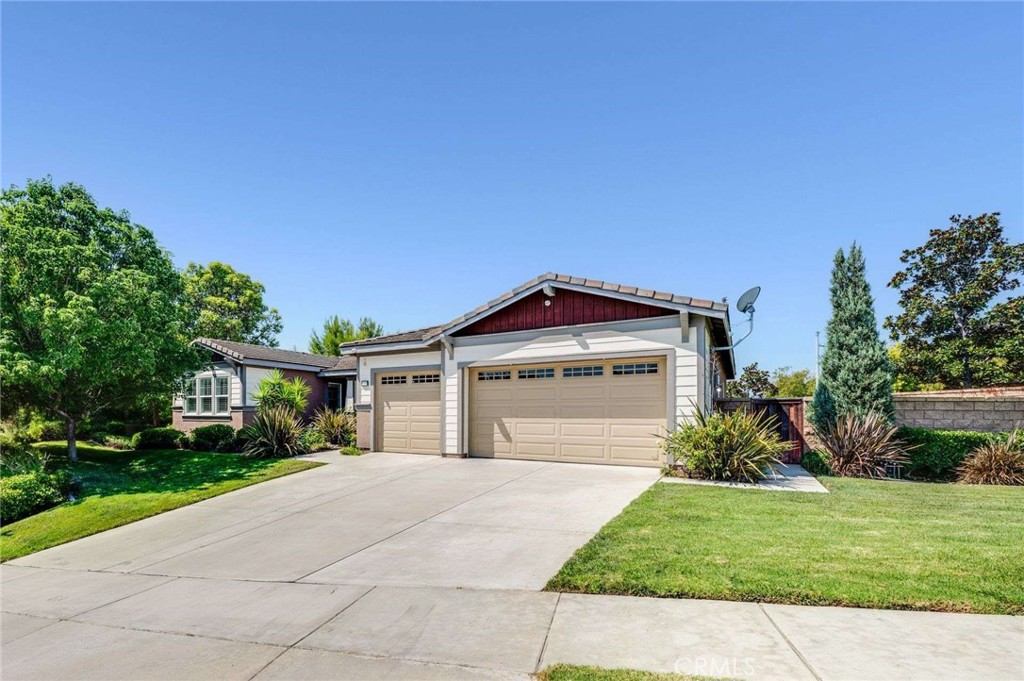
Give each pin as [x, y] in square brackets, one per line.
[567, 309]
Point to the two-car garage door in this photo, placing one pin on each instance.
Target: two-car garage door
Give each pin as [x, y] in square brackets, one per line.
[590, 412]
[601, 411]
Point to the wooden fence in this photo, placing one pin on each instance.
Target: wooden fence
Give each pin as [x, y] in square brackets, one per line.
[789, 416]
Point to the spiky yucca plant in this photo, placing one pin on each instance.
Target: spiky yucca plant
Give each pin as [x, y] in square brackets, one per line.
[997, 463]
[274, 432]
[739, 446]
[336, 427]
[861, 446]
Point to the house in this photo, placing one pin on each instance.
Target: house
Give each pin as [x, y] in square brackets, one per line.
[223, 391]
[559, 369]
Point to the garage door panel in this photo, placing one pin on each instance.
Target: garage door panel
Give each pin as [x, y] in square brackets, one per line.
[537, 449]
[635, 430]
[603, 418]
[639, 392]
[583, 452]
[584, 411]
[638, 454]
[579, 389]
[408, 414]
[583, 429]
[531, 411]
[546, 429]
[538, 393]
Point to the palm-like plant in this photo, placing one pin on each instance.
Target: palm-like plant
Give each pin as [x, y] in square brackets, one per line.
[276, 390]
[997, 463]
[862, 446]
[336, 427]
[275, 432]
[738, 446]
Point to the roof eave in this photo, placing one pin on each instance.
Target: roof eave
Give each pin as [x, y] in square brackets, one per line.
[714, 311]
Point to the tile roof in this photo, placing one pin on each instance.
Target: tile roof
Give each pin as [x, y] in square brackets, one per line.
[550, 277]
[244, 351]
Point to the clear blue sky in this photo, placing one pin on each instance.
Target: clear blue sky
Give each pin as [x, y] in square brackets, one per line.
[411, 161]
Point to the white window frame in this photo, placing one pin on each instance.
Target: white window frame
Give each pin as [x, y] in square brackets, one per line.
[219, 394]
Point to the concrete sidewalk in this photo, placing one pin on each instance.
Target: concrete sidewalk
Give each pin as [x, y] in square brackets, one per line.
[409, 567]
[61, 624]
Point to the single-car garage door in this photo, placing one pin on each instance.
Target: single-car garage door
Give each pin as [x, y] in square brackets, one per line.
[408, 412]
[589, 412]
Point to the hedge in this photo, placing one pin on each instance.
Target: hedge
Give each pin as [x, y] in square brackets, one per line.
[936, 454]
[157, 438]
[816, 463]
[219, 437]
[29, 493]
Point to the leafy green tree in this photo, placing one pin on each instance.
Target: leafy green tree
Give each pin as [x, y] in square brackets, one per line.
[752, 383]
[90, 306]
[952, 330]
[793, 383]
[368, 329]
[223, 303]
[856, 376]
[337, 331]
[277, 391]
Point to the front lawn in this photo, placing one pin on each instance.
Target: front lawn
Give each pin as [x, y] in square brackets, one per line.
[119, 487]
[878, 544]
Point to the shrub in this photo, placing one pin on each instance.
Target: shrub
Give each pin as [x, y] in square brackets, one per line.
[275, 391]
[219, 437]
[938, 453]
[14, 441]
[336, 427]
[313, 441]
[42, 429]
[115, 427]
[157, 438]
[274, 432]
[350, 451]
[736, 446]
[28, 493]
[815, 463]
[118, 442]
[862, 446]
[995, 463]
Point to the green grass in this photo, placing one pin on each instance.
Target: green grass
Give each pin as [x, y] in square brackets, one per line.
[571, 672]
[914, 546]
[119, 487]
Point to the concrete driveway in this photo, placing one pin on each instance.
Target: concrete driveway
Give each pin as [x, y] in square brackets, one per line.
[337, 557]
[392, 566]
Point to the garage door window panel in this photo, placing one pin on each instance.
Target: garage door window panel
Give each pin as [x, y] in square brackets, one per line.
[582, 372]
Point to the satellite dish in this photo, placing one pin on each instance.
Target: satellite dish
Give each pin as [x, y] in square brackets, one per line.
[746, 302]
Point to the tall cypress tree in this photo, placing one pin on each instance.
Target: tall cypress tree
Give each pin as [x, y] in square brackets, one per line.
[855, 372]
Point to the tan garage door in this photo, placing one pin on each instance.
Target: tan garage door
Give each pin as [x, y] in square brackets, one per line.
[589, 412]
[408, 412]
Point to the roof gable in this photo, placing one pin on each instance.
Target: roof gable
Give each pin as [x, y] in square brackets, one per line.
[550, 281]
[560, 307]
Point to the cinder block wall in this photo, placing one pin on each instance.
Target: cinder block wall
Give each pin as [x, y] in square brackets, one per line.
[992, 414]
[988, 410]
